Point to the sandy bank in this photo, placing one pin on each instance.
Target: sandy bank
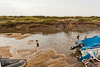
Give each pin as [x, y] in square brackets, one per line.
[18, 36]
[47, 58]
[40, 58]
[84, 26]
[4, 52]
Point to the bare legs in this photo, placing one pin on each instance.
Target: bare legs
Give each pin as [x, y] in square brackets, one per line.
[36, 48]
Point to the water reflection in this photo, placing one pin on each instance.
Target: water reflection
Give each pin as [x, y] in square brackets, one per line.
[43, 32]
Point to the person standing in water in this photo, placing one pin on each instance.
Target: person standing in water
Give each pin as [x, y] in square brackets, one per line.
[78, 37]
[37, 45]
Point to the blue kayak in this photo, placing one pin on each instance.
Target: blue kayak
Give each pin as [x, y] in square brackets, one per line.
[90, 43]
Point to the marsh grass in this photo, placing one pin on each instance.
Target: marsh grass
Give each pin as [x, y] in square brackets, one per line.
[42, 19]
[48, 21]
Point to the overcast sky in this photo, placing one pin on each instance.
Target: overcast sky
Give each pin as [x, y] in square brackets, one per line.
[50, 7]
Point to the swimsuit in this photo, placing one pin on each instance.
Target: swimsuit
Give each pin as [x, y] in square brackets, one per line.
[77, 37]
[37, 44]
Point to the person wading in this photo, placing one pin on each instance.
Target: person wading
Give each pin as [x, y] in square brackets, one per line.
[78, 37]
[37, 45]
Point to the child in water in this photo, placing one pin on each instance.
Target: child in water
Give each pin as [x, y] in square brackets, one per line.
[78, 37]
[85, 37]
[37, 44]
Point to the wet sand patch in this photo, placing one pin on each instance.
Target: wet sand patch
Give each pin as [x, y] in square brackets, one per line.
[41, 58]
[26, 51]
[23, 54]
[47, 58]
[30, 42]
[4, 52]
[18, 36]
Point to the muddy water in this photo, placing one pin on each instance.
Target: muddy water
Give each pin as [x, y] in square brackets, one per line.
[58, 41]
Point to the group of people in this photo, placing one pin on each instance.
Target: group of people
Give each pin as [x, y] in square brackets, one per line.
[79, 36]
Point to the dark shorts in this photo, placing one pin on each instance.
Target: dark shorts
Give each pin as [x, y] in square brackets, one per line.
[37, 45]
[77, 37]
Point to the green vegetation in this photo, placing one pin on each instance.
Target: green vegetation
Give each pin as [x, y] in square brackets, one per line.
[47, 21]
[9, 23]
[82, 20]
[36, 25]
[11, 20]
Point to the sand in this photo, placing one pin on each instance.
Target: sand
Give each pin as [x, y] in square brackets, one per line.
[18, 36]
[40, 58]
[47, 58]
[30, 42]
[4, 52]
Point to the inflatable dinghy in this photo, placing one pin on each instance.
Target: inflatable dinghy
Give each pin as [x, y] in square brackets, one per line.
[6, 62]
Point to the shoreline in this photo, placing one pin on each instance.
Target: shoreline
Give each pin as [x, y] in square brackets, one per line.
[44, 57]
[57, 26]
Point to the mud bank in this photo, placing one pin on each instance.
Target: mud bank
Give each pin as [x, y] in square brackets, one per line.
[40, 58]
[48, 58]
[17, 36]
[68, 25]
[88, 26]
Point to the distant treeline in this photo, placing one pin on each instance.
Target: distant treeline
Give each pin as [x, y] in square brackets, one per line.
[46, 17]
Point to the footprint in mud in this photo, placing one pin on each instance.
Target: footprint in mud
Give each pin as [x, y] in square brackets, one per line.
[30, 42]
[43, 66]
[56, 56]
[33, 51]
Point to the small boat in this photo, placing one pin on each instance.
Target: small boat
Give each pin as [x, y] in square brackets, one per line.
[6, 62]
[86, 55]
[90, 57]
[88, 43]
